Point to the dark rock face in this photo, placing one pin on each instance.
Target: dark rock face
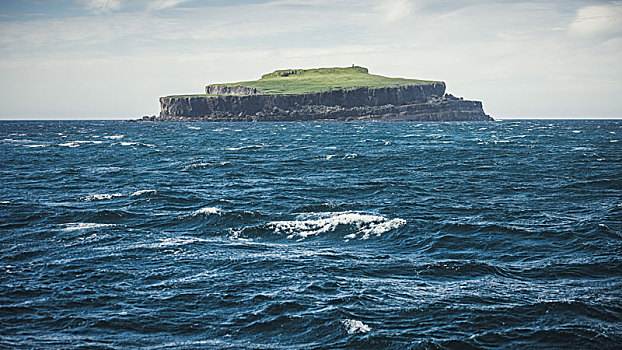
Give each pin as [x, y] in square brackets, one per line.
[401, 103]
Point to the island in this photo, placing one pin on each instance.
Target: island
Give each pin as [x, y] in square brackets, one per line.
[322, 94]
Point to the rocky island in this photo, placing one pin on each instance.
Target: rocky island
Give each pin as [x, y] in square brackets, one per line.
[333, 94]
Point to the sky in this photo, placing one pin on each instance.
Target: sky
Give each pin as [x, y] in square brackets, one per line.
[112, 59]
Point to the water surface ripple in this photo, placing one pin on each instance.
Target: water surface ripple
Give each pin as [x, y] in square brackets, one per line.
[311, 235]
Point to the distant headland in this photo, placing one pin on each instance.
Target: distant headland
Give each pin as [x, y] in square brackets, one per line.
[327, 94]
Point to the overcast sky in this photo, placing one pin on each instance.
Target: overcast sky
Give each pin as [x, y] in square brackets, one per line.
[63, 59]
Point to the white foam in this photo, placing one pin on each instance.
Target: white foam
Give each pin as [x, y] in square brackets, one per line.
[197, 166]
[366, 225]
[177, 241]
[114, 137]
[103, 196]
[576, 131]
[73, 226]
[88, 141]
[501, 141]
[17, 140]
[347, 156]
[194, 128]
[208, 210]
[69, 144]
[141, 192]
[35, 146]
[243, 147]
[5, 202]
[354, 326]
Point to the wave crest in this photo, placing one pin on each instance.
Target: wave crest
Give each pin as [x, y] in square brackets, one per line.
[353, 224]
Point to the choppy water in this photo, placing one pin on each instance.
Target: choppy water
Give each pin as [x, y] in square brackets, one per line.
[311, 235]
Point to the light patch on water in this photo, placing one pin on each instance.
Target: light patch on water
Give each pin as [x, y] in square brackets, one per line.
[243, 147]
[87, 141]
[347, 156]
[114, 137]
[69, 144]
[194, 128]
[355, 326]
[177, 241]
[17, 140]
[197, 166]
[137, 144]
[73, 226]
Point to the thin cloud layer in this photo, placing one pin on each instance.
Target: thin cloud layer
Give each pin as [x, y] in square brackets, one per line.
[165, 4]
[394, 10]
[598, 20]
[101, 6]
[557, 58]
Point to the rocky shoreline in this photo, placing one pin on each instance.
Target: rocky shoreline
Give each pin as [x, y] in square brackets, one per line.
[423, 102]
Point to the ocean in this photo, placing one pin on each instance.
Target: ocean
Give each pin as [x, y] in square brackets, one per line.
[317, 235]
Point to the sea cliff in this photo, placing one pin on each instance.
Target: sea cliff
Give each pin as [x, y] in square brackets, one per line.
[409, 100]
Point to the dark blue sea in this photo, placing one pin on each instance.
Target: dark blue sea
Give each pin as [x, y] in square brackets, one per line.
[119, 235]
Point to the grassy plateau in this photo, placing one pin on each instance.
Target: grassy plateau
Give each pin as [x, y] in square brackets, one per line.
[306, 81]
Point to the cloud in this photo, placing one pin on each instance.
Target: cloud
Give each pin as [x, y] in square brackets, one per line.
[394, 10]
[598, 21]
[164, 4]
[101, 6]
[118, 64]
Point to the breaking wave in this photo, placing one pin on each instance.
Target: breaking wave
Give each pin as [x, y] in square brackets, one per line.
[352, 225]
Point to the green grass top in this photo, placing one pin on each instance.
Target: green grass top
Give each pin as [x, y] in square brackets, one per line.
[307, 81]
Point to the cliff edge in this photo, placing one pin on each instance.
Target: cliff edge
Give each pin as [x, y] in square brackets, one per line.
[336, 94]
